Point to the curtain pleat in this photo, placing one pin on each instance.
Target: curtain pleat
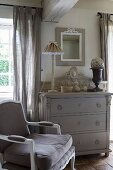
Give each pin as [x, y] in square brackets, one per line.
[104, 22]
[26, 53]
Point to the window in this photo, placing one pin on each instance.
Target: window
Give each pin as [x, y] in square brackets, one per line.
[110, 75]
[6, 58]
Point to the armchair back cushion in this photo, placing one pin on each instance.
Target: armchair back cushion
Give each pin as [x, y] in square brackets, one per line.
[14, 122]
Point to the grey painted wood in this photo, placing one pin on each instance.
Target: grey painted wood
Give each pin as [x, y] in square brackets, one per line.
[81, 123]
[76, 105]
[90, 141]
[86, 116]
[81, 61]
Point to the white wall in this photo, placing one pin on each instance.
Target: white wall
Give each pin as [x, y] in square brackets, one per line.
[84, 15]
[100, 5]
[6, 12]
[79, 18]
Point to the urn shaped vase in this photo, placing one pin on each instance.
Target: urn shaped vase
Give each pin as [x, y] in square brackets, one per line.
[97, 77]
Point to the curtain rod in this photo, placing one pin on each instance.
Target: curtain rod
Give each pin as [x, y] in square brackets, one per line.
[18, 5]
[99, 13]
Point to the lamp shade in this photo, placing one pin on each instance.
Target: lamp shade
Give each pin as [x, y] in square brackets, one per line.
[53, 48]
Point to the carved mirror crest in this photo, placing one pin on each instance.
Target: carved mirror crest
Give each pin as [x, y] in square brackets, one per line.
[72, 41]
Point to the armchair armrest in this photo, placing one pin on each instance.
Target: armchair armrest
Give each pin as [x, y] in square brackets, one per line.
[16, 138]
[22, 140]
[46, 124]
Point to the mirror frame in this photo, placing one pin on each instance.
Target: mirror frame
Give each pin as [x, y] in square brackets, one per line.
[59, 31]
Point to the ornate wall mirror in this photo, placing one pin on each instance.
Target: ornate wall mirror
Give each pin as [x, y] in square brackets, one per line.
[72, 41]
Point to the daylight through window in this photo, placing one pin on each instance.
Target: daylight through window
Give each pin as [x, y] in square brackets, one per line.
[6, 58]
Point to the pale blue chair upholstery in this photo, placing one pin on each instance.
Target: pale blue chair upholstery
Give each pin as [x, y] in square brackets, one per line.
[24, 151]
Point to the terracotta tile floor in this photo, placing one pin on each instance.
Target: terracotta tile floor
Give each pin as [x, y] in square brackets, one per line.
[94, 162]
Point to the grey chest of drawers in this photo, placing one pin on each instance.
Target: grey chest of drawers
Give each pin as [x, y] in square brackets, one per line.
[86, 116]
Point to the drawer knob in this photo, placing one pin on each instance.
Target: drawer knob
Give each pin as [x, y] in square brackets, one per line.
[59, 107]
[98, 105]
[79, 104]
[97, 123]
[97, 142]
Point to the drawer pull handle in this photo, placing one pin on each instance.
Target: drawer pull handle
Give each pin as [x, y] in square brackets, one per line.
[78, 123]
[97, 123]
[98, 105]
[78, 142]
[97, 142]
[59, 107]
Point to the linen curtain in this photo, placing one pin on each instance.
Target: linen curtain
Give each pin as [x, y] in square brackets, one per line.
[104, 22]
[26, 53]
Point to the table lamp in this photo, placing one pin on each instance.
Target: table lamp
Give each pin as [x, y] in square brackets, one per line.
[53, 49]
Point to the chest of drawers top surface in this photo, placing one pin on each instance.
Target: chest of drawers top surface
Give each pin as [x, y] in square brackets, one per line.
[77, 94]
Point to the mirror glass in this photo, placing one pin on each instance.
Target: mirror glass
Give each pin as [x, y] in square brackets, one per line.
[73, 45]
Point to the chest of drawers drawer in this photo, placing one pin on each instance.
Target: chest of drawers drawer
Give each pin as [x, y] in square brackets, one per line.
[77, 105]
[71, 124]
[89, 141]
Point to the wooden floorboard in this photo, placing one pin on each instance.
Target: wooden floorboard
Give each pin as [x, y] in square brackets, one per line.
[94, 162]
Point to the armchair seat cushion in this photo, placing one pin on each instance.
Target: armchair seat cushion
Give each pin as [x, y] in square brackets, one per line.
[49, 149]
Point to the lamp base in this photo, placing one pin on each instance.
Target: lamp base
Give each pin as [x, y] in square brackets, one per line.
[52, 91]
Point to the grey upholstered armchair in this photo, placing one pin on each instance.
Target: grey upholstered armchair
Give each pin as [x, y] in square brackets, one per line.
[24, 151]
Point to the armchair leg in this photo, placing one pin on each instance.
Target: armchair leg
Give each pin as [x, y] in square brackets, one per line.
[73, 163]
